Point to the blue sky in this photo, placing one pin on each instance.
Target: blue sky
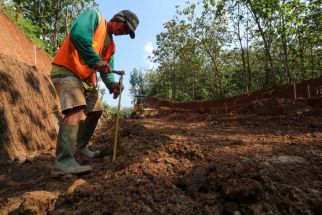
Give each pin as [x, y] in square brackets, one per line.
[130, 53]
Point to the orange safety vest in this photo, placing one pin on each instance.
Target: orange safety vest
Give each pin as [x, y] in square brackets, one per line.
[68, 57]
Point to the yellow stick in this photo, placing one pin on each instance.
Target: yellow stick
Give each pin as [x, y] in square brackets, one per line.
[117, 120]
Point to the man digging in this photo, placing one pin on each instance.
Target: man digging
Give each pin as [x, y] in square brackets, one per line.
[88, 48]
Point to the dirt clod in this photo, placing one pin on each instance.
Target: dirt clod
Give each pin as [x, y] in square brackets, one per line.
[37, 202]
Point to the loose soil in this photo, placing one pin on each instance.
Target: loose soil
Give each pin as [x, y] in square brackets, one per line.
[264, 158]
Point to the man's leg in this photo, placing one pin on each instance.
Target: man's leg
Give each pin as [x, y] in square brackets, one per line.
[86, 131]
[93, 111]
[73, 116]
[65, 162]
[73, 103]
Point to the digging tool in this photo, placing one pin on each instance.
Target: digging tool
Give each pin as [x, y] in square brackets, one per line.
[121, 73]
[118, 72]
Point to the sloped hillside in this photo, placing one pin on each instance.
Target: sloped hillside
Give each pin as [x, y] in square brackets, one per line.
[14, 44]
[27, 97]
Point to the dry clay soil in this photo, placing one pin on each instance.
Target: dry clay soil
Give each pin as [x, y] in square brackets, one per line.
[265, 158]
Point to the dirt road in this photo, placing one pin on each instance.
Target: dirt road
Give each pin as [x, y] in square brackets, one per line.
[261, 161]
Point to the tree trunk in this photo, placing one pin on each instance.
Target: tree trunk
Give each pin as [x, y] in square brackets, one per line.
[40, 15]
[66, 18]
[242, 54]
[248, 58]
[267, 45]
[216, 72]
[56, 25]
[319, 57]
[267, 82]
[285, 48]
[194, 86]
[19, 8]
[312, 61]
[174, 84]
[301, 48]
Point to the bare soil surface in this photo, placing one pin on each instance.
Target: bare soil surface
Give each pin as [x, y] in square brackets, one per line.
[14, 44]
[28, 110]
[264, 158]
[29, 106]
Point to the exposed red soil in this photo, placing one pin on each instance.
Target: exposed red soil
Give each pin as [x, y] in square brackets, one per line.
[308, 90]
[28, 101]
[14, 44]
[255, 160]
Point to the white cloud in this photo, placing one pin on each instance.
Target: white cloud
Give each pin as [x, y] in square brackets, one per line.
[148, 48]
[148, 52]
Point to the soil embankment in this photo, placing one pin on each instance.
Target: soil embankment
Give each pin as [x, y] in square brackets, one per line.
[15, 45]
[308, 90]
[27, 97]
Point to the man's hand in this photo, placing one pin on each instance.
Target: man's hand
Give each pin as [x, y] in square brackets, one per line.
[103, 67]
[115, 89]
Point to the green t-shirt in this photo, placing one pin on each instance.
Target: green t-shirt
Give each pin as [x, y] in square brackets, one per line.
[81, 35]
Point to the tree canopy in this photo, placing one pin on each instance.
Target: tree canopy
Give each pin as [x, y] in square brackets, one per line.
[46, 22]
[212, 49]
[209, 49]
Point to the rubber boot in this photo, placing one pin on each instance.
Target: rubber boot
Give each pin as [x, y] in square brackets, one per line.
[85, 132]
[65, 162]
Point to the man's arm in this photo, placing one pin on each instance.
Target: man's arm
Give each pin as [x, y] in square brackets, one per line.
[108, 78]
[109, 81]
[81, 35]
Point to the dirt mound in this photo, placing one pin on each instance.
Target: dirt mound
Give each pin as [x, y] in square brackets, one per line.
[308, 91]
[27, 97]
[275, 106]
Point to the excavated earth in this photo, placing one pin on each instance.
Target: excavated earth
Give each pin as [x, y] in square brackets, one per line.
[28, 101]
[264, 158]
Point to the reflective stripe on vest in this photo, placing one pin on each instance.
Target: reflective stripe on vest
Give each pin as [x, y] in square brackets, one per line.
[68, 57]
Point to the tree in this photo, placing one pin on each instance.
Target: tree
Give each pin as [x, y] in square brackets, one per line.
[52, 18]
[211, 49]
[137, 85]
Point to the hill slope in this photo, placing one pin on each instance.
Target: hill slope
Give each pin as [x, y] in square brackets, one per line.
[27, 97]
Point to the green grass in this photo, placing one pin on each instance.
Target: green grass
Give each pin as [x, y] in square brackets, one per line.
[31, 30]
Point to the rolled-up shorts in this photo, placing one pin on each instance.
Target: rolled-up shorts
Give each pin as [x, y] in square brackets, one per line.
[72, 94]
